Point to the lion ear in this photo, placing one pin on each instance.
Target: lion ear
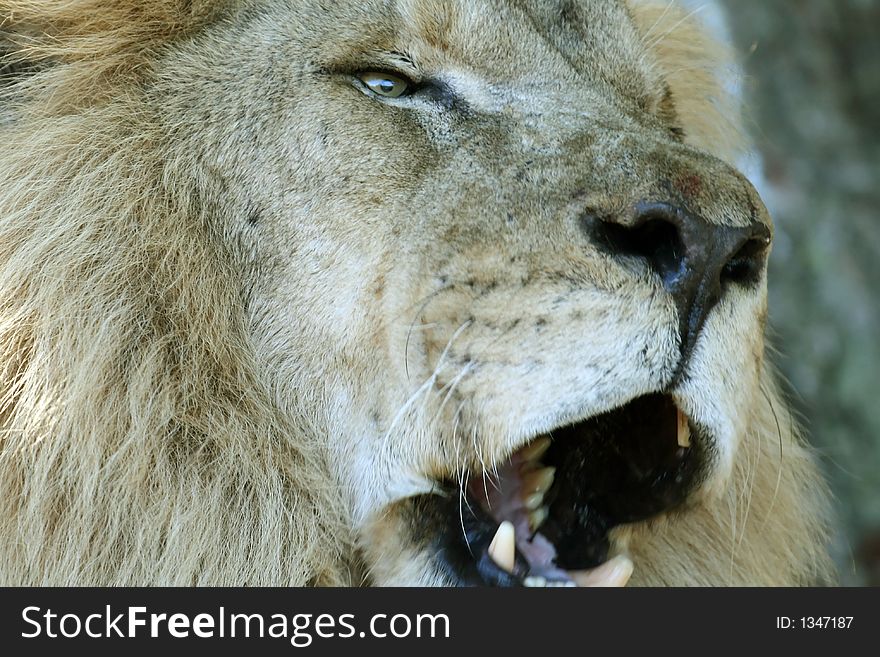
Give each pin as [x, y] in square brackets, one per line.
[96, 40]
[700, 72]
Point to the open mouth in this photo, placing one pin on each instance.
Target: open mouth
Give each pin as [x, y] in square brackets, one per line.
[543, 517]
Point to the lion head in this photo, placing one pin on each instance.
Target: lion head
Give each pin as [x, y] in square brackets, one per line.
[330, 292]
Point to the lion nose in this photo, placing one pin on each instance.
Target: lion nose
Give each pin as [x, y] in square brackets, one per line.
[695, 259]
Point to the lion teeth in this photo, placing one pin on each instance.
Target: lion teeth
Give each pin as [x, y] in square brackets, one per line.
[502, 549]
[535, 581]
[533, 502]
[535, 484]
[613, 573]
[539, 481]
[684, 430]
[537, 518]
[535, 449]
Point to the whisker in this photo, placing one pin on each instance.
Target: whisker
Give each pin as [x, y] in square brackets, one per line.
[769, 401]
[425, 387]
[462, 502]
[651, 29]
[655, 42]
[424, 304]
[749, 488]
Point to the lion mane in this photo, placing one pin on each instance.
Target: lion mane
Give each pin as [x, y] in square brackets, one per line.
[138, 441]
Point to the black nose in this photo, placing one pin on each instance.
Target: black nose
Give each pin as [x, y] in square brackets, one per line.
[695, 259]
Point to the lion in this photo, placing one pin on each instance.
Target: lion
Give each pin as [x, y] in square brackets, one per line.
[386, 292]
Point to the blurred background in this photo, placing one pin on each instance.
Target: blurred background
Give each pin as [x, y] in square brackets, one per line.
[811, 86]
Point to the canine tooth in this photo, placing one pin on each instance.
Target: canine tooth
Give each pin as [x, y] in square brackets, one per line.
[537, 517]
[502, 549]
[535, 449]
[613, 573]
[684, 430]
[535, 582]
[539, 481]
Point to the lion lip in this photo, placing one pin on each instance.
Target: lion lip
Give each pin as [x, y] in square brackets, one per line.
[564, 491]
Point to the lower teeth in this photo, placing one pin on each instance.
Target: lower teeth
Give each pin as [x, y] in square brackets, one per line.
[613, 573]
[543, 582]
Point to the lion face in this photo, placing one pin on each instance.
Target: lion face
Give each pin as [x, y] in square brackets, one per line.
[489, 270]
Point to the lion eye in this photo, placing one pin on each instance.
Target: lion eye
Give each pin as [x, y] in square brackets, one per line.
[385, 84]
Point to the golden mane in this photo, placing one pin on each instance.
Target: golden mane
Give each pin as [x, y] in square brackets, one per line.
[94, 43]
[138, 443]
